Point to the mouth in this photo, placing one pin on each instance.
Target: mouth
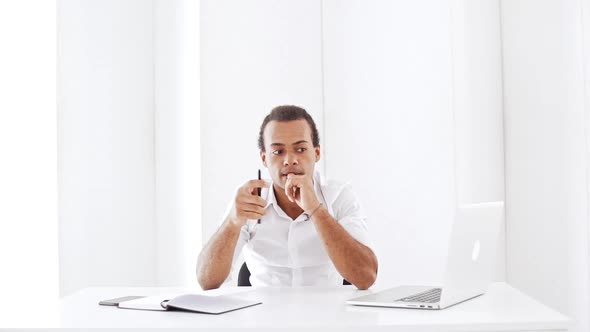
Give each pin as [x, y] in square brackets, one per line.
[294, 173]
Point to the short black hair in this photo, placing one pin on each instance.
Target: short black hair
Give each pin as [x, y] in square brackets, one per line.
[286, 113]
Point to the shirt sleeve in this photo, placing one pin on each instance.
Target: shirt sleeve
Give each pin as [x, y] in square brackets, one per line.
[348, 212]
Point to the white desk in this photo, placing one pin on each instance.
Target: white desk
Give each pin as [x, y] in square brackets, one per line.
[502, 308]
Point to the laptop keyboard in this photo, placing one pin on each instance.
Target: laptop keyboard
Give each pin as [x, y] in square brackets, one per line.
[429, 296]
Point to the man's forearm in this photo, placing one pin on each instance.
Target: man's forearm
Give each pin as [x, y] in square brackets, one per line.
[354, 261]
[215, 260]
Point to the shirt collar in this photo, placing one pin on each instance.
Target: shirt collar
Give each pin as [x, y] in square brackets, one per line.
[270, 197]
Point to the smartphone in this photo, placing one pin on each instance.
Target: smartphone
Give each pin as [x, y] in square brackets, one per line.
[116, 301]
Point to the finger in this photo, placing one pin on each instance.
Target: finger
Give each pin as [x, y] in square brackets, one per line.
[292, 193]
[289, 189]
[297, 176]
[254, 209]
[260, 211]
[251, 215]
[251, 186]
[254, 200]
[295, 182]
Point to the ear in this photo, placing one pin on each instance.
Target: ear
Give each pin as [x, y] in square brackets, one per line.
[263, 157]
[317, 153]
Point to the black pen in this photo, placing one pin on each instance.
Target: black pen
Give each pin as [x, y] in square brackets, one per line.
[259, 190]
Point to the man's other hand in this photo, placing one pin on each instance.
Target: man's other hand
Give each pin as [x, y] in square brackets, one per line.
[299, 189]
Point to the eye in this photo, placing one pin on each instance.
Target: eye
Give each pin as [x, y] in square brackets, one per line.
[301, 149]
[277, 152]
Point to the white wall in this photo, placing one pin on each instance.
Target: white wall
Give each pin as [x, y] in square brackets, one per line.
[177, 141]
[254, 55]
[408, 80]
[106, 149]
[478, 109]
[128, 143]
[583, 297]
[392, 85]
[389, 126]
[28, 165]
[546, 131]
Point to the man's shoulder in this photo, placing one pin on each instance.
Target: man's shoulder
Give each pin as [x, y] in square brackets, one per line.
[333, 188]
[336, 185]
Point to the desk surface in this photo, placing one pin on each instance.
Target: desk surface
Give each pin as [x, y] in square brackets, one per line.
[502, 308]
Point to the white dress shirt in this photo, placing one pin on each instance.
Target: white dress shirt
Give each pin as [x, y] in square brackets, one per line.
[281, 251]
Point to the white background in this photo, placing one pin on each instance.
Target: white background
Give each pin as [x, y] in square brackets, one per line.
[396, 88]
[421, 105]
[28, 163]
[128, 143]
[547, 157]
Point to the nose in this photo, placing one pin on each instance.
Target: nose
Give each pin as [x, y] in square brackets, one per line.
[290, 160]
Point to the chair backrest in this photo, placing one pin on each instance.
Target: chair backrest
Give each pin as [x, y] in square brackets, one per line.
[244, 277]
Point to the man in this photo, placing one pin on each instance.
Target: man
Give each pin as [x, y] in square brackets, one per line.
[302, 230]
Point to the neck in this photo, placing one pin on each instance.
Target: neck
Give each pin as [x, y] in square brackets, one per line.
[291, 208]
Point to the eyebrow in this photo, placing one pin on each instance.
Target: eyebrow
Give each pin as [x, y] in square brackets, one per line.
[281, 144]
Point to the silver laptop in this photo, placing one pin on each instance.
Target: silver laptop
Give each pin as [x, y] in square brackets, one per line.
[470, 262]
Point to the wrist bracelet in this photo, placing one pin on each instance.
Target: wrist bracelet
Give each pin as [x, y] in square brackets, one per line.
[312, 212]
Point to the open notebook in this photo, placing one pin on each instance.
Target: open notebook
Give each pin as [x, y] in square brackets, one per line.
[189, 302]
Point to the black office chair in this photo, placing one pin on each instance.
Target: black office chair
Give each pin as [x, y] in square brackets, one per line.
[244, 277]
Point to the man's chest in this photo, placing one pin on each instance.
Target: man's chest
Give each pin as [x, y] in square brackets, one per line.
[286, 242]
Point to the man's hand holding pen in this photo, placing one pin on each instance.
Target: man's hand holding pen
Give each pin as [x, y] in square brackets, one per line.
[247, 204]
